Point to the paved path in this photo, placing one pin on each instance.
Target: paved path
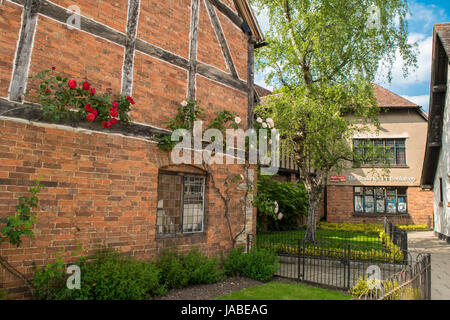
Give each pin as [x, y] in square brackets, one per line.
[440, 261]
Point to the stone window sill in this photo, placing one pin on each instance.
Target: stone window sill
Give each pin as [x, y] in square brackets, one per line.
[180, 236]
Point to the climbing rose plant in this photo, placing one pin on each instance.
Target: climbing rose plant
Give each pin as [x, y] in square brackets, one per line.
[61, 98]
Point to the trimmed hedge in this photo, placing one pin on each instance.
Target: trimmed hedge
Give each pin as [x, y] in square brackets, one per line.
[369, 227]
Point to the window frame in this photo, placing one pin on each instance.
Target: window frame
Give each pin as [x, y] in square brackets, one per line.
[395, 163]
[362, 194]
[179, 232]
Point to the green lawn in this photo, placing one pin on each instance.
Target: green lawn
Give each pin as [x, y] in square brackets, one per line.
[335, 239]
[285, 291]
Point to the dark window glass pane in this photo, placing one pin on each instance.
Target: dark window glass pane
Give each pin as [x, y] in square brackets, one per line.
[391, 201]
[401, 205]
[400, 156]
[369, 204]
[359, 204]
[168, 206]
[380, 150]
[193, 207]
[380, 200]
[390, 151]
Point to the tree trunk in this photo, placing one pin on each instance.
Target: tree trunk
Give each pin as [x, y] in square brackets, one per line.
[314, 197]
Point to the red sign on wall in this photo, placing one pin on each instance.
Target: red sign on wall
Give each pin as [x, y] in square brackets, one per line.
[335, 178]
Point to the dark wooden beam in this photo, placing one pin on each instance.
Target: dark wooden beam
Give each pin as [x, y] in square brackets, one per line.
[130, 47]
[24, 49]
[193, 37]
[251, 80]
[221, 37]
[221, 77]
[88, 25]
[33, 112]
[440, 88]
[161, 54]
[228, 12]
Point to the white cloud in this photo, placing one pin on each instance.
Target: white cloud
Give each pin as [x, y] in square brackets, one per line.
[421, 73]
[424, 16]
[422, 100]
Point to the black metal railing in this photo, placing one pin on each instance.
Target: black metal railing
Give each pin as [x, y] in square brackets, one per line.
[398, 236]
[337, 259]
[413, 282]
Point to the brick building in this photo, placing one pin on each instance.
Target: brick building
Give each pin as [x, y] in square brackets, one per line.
[115, 187]
[367, 195]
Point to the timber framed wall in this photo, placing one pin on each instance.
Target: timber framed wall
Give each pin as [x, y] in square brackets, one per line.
[101, 186]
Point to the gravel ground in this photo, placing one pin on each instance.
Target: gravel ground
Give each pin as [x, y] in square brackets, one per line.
[210, 291]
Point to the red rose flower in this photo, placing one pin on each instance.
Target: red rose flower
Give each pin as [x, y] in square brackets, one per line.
[130, 99]
[95, 112]
[88, 108]
[93, 91]
[113, 113]
[53, 68]
[72, 84]
[106, 124]
[115, 105]
[86, 85]
[113, 121]
[90, 117]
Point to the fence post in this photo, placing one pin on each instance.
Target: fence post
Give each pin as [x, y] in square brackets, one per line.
[348, 266]
[429, 277]
[298, 259]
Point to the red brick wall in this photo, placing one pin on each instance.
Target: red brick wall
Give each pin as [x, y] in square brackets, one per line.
[100, 187]
[166, 24]
[100, 190]
[158, 90]
[10, 15]
[111, 13]
[340, 207]
[76, 54]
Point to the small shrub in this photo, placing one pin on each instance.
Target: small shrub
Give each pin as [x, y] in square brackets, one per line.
[361, 289]
[49, 282]
[3, 294]
[233, 264]
[108, 276]
[178, 270]
[172, 273]
[258, 264]
[201, 270]
[291, 198]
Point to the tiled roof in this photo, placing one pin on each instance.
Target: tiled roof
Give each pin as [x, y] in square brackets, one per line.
[262, 92]
[388, 99]
[443, 30]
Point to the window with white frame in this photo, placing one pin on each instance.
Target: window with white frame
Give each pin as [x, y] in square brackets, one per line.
[181, 203]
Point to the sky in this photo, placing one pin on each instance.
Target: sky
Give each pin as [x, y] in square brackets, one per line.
[416, 87]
